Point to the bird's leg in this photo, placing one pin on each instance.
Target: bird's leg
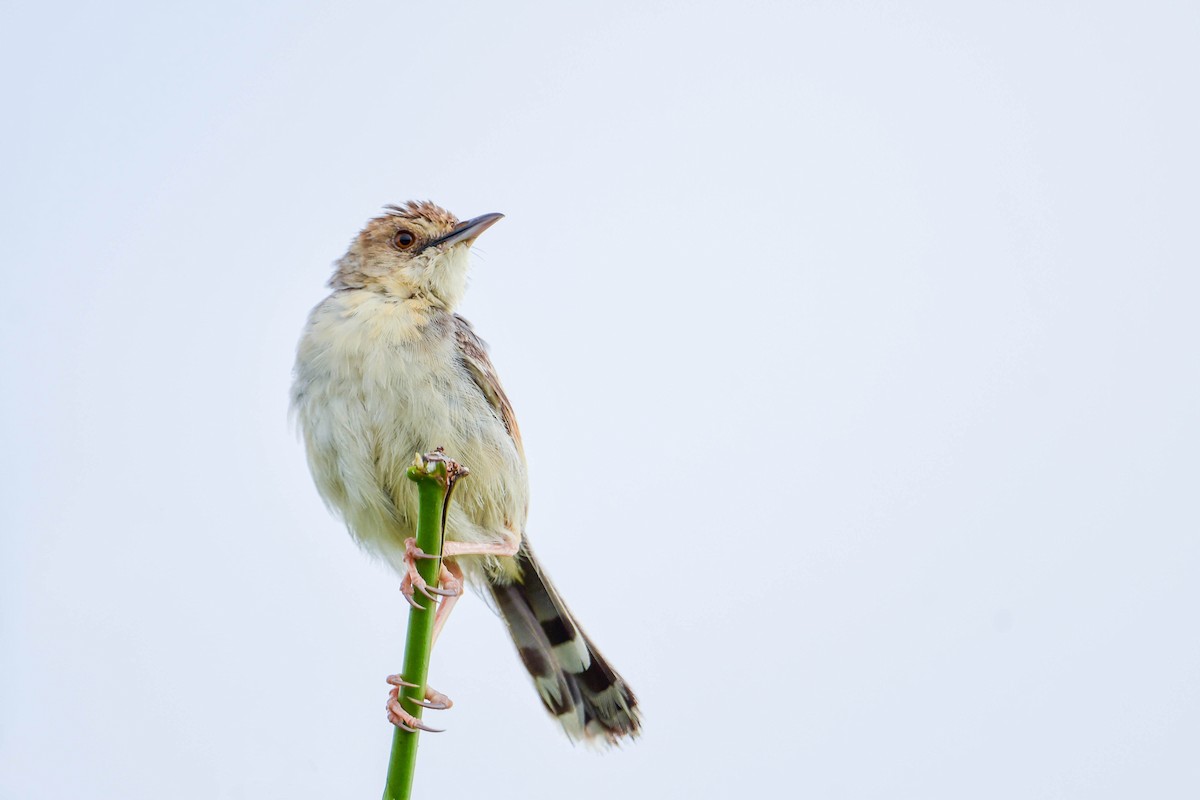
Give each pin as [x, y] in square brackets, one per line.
[451, 573]
[452, 579]
[508, 547]
[413, 581]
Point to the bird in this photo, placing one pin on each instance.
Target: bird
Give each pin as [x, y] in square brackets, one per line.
[386, 368]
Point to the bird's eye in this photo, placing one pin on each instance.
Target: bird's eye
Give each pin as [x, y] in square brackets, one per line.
[404, 240]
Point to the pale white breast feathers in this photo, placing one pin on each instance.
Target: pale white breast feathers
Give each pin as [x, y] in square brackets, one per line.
[378, 379]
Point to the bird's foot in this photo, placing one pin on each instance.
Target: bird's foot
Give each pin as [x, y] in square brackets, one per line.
[412, 582]
[434, 700]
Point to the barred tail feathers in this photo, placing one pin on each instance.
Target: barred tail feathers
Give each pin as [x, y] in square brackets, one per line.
[577, 685]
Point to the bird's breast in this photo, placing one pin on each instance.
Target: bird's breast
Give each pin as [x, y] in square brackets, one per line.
[378, 381]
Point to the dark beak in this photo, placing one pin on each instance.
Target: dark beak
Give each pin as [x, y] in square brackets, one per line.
[467, 231]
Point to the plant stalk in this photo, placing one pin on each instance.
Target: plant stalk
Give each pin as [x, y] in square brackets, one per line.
[434, 476]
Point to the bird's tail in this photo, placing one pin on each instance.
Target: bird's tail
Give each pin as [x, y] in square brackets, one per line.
[577, 686]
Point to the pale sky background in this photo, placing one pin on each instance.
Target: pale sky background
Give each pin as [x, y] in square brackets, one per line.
[855, 349]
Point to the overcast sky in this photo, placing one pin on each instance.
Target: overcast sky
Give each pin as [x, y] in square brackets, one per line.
[855, 350]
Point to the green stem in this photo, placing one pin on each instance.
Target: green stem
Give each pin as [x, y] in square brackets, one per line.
[430, 476]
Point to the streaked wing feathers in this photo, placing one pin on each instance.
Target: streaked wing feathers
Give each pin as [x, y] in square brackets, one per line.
[473, 351]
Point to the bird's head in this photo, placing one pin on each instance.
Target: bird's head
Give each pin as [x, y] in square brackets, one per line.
[414, 250]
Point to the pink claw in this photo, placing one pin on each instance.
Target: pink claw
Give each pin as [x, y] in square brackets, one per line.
[402, 719]
[396, 680]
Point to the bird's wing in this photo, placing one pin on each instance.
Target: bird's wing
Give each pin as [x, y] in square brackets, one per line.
[474, 356]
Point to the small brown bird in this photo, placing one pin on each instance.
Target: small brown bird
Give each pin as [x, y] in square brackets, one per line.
[386, 369]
